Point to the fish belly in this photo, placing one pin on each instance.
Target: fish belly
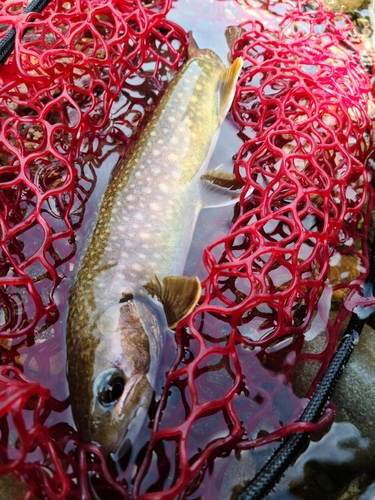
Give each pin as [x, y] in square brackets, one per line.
[150, 208]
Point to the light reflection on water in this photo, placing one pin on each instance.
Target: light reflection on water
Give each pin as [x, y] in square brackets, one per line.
[339, 465]
[343, 443]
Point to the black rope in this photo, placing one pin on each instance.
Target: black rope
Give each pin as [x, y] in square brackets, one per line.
[289, 449]
[7, 43]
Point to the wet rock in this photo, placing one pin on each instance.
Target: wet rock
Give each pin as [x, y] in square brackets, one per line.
[354, 396]
[11, 488]
[341, 465]
[345, 5]
[335, 468]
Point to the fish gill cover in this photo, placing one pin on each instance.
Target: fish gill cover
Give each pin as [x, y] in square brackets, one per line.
[82, 79]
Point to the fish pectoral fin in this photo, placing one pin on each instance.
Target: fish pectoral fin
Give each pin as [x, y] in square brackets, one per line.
[178, 294]
[219, 189]
[222, 179]
[228, 80]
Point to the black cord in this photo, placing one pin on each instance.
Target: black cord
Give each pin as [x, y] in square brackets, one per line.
[289, 449]
[7, 43]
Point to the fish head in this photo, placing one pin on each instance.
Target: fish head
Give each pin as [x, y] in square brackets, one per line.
[120, 385]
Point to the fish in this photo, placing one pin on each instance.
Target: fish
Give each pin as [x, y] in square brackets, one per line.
[129, 287]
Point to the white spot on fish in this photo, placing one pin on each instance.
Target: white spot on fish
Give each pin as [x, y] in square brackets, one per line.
[144, 236]
[174, 140]
[136, 267]
[155, 207]
[156, 152]
[172, 157]
[164, 188]
[171, 119]
[130, 197]
[157, 170]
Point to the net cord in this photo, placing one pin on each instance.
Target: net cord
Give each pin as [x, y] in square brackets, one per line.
[7, 43]
[261, 484]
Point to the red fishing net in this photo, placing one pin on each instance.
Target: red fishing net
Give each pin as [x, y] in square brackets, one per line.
[83, 77]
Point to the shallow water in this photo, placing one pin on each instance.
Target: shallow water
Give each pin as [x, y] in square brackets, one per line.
[208, 21]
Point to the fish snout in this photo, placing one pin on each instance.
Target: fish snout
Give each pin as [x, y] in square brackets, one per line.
[112, 423]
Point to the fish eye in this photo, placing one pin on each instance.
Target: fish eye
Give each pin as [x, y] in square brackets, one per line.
[110, 386]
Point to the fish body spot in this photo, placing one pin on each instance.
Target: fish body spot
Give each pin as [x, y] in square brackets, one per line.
[172, 157]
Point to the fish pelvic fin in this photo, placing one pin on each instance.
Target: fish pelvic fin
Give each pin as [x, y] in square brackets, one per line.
[219, 188]
[228, 80]
[178, 294]
[223, 179]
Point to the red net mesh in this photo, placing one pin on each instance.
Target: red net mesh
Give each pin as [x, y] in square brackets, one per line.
[80, 83]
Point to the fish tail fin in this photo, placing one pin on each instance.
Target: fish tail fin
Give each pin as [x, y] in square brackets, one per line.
[228, 80]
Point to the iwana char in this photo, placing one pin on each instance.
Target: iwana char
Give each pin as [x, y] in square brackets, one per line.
[129, 287]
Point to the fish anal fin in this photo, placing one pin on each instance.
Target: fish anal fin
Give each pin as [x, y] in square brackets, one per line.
[228, 80]
[193, 46]
[178, 294]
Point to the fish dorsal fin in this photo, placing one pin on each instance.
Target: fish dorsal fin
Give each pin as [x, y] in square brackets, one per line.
[178, 294]
[222, 179]
[228, 80]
